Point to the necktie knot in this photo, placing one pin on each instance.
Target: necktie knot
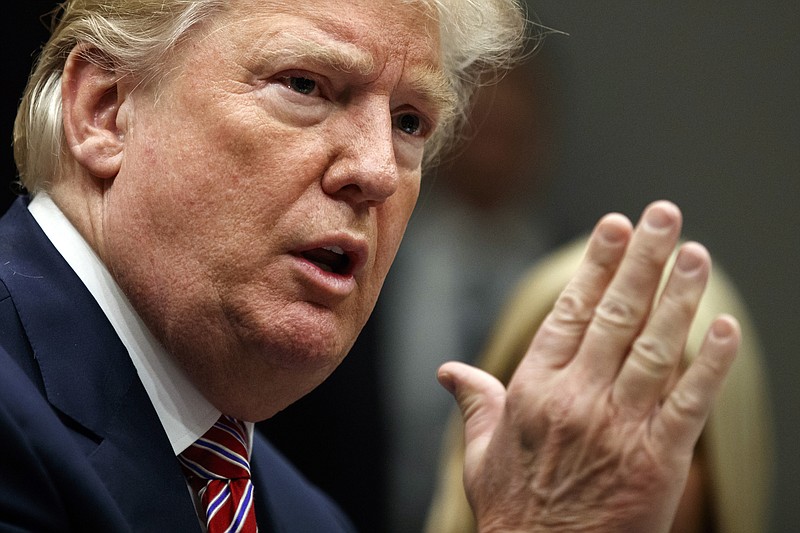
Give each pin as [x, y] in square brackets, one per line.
[217, 468]
[221, 453]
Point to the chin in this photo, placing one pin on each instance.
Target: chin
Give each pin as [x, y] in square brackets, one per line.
[309, 337]
[311, 352]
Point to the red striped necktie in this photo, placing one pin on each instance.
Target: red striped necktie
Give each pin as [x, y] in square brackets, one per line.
[217, 468]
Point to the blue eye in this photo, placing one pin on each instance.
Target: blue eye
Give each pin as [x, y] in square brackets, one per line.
[301, 85]
[410, 124]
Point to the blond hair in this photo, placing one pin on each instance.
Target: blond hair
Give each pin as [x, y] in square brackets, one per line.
[134, 38]
[737, 440]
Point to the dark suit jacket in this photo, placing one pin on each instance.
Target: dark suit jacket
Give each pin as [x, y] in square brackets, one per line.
[81, 447]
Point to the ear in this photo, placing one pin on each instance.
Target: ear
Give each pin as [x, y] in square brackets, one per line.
[92, 100]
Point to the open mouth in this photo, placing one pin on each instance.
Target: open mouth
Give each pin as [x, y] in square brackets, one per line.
[330, 259]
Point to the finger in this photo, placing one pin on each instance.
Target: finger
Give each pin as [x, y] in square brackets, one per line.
[560, 334]
[657, 352]
[686, 408]
[481, 399]
[621, 313]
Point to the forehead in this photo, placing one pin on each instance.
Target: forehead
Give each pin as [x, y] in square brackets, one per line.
[366, 37]
[383, 30]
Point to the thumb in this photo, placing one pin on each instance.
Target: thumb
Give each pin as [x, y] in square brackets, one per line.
[480, 397]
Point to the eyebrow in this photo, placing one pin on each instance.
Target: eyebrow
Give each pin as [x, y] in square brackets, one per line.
[345, 57]
[431, 84]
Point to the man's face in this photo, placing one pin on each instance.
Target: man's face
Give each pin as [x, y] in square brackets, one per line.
[265, 187]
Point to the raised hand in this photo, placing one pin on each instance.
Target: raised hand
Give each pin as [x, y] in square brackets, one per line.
[596, 429]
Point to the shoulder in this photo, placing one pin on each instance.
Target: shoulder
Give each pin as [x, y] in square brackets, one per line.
[290, 502]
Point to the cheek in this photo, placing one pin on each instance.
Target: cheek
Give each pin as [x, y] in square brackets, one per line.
[393, 217]
[231, 166]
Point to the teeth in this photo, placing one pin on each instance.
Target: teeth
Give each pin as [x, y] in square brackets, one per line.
[334, 249]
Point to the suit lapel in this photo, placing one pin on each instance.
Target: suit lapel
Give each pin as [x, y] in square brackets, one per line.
[89, 378]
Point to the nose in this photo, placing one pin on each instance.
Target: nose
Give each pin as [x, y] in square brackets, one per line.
[364, 170]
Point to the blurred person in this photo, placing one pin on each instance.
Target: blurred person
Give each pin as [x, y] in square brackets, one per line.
[729, 486]
[216, 193]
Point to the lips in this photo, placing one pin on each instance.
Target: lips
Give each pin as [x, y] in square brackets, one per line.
[342, 255]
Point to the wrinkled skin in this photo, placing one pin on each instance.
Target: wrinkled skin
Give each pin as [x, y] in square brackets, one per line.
[594, 433]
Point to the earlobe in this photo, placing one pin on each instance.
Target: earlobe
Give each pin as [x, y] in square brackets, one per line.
[91, 103]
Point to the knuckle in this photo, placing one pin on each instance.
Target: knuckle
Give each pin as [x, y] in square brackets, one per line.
[651, 255]
[572, 308]
[652, 356]
[681, 303]
[687, 405]
[615, 313]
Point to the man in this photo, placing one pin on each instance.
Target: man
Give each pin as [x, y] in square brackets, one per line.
[219, 189]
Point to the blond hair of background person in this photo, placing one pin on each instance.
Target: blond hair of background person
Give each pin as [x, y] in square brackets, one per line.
[734, 454]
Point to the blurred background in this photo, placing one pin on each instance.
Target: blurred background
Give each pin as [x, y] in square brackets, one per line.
[697, 102]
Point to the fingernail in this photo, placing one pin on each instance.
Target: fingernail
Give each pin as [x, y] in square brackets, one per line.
[657, 218]
[613, 234]
[722, 329]
[688, 262]
[446, 381]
